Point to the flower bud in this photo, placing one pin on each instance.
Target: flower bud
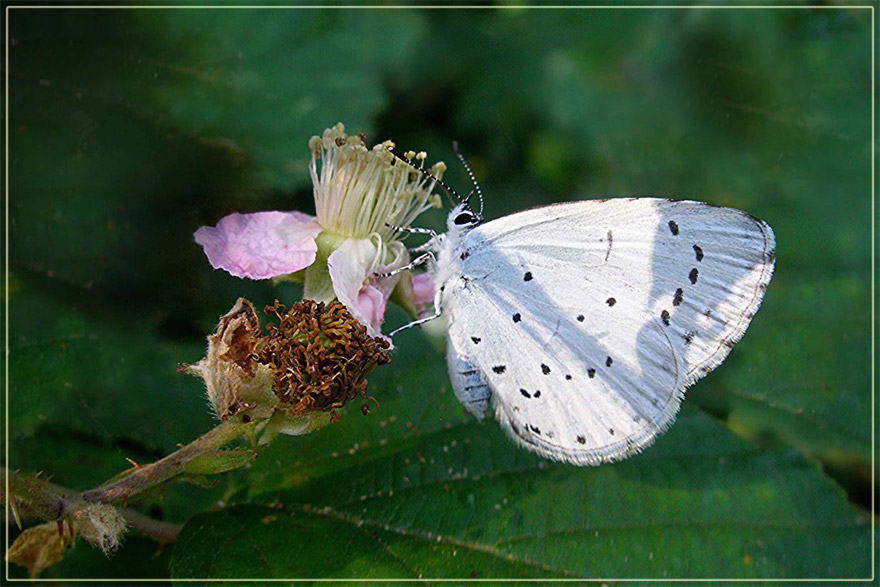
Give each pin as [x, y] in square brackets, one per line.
[100, 524]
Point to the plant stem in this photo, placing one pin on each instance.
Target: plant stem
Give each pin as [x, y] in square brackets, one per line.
[162, 532]
[148, 476]
[38, 498]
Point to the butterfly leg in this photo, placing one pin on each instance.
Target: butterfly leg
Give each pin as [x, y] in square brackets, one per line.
[421, 259]
[418, 322]
[431, 244]
[412, 230]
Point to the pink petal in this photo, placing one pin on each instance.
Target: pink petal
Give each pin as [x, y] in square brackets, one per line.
[260, 245]
[351, 271]
[423, 289]
[371, 304]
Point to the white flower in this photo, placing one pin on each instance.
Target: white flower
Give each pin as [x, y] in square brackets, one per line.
[358, 193]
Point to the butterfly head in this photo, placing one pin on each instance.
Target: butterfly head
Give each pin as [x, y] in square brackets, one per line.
[462, 218]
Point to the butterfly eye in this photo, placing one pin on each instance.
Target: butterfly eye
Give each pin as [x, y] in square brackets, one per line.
[464, 218]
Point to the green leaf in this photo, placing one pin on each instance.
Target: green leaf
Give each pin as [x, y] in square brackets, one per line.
[88, 371]
[822, 407]
[420, 489]
[327, 546]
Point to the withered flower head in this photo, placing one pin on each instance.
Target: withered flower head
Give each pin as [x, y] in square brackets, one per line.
[314, 359]
[319, 355]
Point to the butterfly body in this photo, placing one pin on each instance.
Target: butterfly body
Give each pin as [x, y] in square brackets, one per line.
[582, 323]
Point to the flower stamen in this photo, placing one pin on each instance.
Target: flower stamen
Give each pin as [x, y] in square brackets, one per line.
[359, 190]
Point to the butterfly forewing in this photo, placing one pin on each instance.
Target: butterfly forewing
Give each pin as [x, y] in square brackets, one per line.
[592, 317]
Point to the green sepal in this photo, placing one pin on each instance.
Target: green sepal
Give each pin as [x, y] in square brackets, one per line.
[403, 295]
[318, 285]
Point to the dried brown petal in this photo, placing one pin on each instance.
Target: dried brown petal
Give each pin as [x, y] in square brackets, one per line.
[229, 363]
[37, 548]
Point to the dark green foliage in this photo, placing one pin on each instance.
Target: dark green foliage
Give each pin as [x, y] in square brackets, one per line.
[129, 129]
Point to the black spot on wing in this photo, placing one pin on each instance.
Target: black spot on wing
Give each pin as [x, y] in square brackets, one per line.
[611, 431]
[517, 317]
[664, 316]
[673, 228]
[535, 429]
[525, 393]
[464, 255]
[476, 340]
[608, 361]
[610, 301]
[698, 252]
[537, 393]
[568, 377]
[499, 369]
[527, 276]
[693, 275]
[545, 369]
[581, 440]
[591, 372]
[580, 318]
[676, 299]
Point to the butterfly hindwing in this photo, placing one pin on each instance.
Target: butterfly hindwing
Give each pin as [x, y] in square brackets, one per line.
[592, 317]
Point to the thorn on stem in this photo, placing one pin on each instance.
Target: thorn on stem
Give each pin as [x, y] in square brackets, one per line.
[15, 513]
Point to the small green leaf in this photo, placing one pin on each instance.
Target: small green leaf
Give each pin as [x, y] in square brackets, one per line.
[219, 461]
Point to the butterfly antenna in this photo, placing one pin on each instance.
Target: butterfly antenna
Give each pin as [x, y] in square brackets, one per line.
[397, 153]
[471, 175]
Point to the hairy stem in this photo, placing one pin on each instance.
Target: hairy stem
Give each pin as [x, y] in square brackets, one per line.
[147, 476]
[36, 496]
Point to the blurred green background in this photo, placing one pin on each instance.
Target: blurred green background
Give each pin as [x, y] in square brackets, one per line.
[129, 129]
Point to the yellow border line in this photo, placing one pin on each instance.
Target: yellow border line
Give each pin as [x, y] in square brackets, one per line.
[873, 296]
[6, 283]
[448, 7]
[468, 7]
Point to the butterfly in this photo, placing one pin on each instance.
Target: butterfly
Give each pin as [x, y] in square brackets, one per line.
[581, 324]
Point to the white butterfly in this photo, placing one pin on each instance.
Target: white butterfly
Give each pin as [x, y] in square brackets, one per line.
[584, 322]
